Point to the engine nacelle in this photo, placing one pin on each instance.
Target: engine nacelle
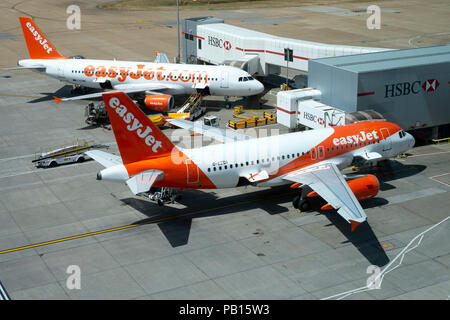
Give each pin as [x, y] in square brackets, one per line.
[161, 103]
[363, 188]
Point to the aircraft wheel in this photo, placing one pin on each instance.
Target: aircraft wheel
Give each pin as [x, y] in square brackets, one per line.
[304, 205]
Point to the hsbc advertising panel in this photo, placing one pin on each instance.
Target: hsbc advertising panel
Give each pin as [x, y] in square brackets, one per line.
[217, 47]
[413, 100]
[410, 87]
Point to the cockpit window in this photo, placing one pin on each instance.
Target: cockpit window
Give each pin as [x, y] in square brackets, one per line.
[401, 134]
[245, 79]
[251, 78]
[240, 79]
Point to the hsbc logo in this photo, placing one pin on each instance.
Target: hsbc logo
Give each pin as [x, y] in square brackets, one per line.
[313, 118]
[227, 45]
[219, 43]
[407, 88]
[430, 85]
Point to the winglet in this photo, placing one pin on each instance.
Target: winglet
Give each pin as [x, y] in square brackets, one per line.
[354, 224]
[57, 100]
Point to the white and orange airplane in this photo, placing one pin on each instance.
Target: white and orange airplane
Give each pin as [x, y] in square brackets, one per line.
[154, 83]
[152, 166]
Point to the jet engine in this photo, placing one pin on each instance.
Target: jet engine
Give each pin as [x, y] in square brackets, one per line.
[161, 103]
[364, 188]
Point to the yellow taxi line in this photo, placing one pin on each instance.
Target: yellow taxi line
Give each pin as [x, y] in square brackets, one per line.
[122, 227]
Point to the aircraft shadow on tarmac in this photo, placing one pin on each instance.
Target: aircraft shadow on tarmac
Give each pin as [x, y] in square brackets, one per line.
[61, 92]
[177, 230]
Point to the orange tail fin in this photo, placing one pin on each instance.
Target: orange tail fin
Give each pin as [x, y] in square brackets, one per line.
[136, 135]
[38, 45]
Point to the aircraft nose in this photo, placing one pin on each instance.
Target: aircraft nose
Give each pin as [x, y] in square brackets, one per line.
[259, 87]
[411, 140]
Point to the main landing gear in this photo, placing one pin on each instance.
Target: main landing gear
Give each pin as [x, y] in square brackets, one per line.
[301, 203]
[163, 195]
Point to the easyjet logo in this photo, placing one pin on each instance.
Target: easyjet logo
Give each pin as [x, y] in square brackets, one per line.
[147, 73]
[39, 38]
[135, 125]
[356, 138]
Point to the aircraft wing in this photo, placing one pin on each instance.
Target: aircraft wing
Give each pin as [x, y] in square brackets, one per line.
[104, 158]
[329, 183]
[212, 132]
[147, 88]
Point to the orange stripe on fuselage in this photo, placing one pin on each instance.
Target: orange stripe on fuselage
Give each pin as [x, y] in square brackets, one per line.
[175, 171]
[339, 132]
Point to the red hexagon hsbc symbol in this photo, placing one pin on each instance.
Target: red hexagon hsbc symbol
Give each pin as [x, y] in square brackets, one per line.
[430, 85]
[227, 45]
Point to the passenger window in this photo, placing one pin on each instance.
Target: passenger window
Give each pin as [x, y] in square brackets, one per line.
[214, 168]
[209, 169]
[246, 163]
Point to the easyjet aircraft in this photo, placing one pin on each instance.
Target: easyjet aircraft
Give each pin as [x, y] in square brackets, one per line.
[152, 166]
[154, 83]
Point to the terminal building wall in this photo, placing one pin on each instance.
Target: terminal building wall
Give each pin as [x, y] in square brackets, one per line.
[410, 87]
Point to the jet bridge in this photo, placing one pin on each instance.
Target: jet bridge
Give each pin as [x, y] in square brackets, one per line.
[210, 40]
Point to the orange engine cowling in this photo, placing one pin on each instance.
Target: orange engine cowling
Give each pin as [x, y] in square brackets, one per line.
[161, 103]
[364, 188]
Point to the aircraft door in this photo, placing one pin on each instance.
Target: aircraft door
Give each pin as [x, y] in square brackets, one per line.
[321, 152]
[191, 172]
[60, 70]
[388, 143]
[313, 154]
[224, 79]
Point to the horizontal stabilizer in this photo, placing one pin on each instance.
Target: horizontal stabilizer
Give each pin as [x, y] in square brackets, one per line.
[37, 67]
[143, 181]
[104, 158]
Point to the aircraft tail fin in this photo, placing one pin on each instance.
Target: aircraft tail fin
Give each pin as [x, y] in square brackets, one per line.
[136, 135]
[39, 47]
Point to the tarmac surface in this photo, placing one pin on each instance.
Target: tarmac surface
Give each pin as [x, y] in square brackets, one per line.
[243, 243]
